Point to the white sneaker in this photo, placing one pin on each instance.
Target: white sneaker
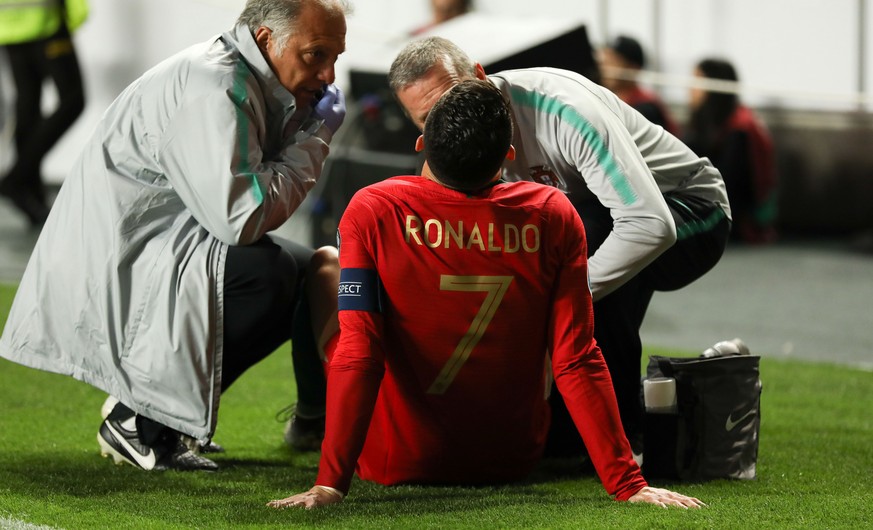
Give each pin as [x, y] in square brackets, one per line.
[189, 442]
[108, 405]
[120, 441]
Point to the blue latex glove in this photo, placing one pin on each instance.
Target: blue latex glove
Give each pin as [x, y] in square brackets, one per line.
[331, 108]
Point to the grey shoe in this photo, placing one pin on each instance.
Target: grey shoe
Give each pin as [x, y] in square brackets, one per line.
[197, 448]
[180, 458]
[303, 434]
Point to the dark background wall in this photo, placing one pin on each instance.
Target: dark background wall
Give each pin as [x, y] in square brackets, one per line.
[825, 163]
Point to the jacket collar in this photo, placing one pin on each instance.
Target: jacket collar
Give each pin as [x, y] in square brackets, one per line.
[241, 38]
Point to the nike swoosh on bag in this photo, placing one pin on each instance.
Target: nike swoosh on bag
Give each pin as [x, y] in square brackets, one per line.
[731, 423]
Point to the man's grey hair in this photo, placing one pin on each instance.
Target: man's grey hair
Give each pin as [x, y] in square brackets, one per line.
[414, 61]
[281, 16]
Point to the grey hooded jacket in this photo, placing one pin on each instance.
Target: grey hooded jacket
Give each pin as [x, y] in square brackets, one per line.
[124, 289]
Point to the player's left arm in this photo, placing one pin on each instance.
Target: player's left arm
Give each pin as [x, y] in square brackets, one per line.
[354, 376]
[355, 369]
[315, 497]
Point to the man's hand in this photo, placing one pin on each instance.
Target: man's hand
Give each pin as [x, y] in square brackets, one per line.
[314, 498]
[665, 498]
[331, 108]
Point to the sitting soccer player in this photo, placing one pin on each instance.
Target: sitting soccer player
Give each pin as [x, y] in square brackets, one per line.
[454, 285]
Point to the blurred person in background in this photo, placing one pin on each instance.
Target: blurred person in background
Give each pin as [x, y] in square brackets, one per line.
[443, 11]
[36, 35]
[625, 53]
[154, 277]
[732, 136]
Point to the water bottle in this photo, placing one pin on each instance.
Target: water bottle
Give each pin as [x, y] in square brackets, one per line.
[726, 347]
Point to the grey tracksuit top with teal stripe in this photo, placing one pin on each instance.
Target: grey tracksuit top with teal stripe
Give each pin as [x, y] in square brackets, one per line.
[124, 289]
[580, 137]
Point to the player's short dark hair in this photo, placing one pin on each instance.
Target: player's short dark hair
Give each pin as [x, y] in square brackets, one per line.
[467, 135]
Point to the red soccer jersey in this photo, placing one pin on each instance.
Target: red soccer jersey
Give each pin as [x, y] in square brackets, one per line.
[475, 289]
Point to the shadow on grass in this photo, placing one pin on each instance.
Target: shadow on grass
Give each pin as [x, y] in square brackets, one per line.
[89, 474]
[238, 492]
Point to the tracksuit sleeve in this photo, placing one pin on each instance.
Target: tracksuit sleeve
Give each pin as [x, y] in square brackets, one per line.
[213, 153]
[600, 146]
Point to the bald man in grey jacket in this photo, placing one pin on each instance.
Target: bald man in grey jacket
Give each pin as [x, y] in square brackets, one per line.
[154, 278]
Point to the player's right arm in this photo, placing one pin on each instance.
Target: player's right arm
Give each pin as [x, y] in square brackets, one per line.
[578, 366]
[584, 381]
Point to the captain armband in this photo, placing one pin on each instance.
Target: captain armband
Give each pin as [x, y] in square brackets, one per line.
[360, 290]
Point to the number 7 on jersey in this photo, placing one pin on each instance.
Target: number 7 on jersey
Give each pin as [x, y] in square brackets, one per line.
[494, 287]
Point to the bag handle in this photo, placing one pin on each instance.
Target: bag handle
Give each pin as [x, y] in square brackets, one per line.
[665, 366]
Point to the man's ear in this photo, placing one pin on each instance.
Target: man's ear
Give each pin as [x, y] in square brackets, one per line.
[480, 73]
[419, 143]
[262, 36]
[510, 155]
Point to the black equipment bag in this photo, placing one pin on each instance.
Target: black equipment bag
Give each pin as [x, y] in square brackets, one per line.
[715, 432]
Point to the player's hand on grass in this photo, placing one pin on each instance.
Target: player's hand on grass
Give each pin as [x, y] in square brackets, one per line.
[316, 497]
[665, 498]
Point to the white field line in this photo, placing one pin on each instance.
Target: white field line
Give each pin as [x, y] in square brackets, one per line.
[14, 524]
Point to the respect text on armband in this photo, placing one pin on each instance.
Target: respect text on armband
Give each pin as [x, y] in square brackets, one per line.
[491, 237]
[359, 290]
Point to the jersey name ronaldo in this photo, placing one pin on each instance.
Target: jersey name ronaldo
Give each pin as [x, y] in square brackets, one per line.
[449, 307]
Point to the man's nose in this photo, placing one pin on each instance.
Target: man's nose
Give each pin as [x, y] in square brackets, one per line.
[327, 74]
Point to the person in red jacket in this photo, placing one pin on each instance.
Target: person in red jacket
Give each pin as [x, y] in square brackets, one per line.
[626, 54]
[460, 296]
[443, 11]
[732, 136]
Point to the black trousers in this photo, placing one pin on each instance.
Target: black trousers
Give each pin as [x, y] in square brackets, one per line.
[32, 63]
[703, 231]
[262, 289]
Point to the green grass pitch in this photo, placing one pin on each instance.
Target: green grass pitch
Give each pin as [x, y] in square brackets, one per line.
[815, 467]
